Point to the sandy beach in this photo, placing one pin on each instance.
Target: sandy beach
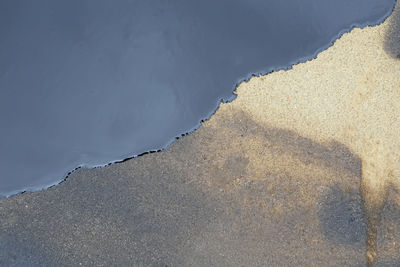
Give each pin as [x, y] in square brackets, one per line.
[302, 169]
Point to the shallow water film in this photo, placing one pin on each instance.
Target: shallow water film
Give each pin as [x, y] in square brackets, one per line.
[87, 83]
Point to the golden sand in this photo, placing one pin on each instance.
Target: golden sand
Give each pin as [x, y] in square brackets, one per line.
[350, 94]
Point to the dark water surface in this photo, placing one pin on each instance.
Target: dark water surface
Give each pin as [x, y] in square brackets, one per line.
[89, 82]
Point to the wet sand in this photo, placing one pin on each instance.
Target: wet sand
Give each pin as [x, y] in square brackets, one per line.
[277, 177]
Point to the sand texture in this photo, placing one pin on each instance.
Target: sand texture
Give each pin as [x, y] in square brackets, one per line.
[302, 169]
[349, 94]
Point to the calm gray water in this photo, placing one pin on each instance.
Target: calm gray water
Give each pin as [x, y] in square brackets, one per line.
[89, 82]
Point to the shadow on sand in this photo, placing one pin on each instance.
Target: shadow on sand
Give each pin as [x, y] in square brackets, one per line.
[392, 38]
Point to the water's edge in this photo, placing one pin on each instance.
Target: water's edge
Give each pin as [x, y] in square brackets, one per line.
[227, 99]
